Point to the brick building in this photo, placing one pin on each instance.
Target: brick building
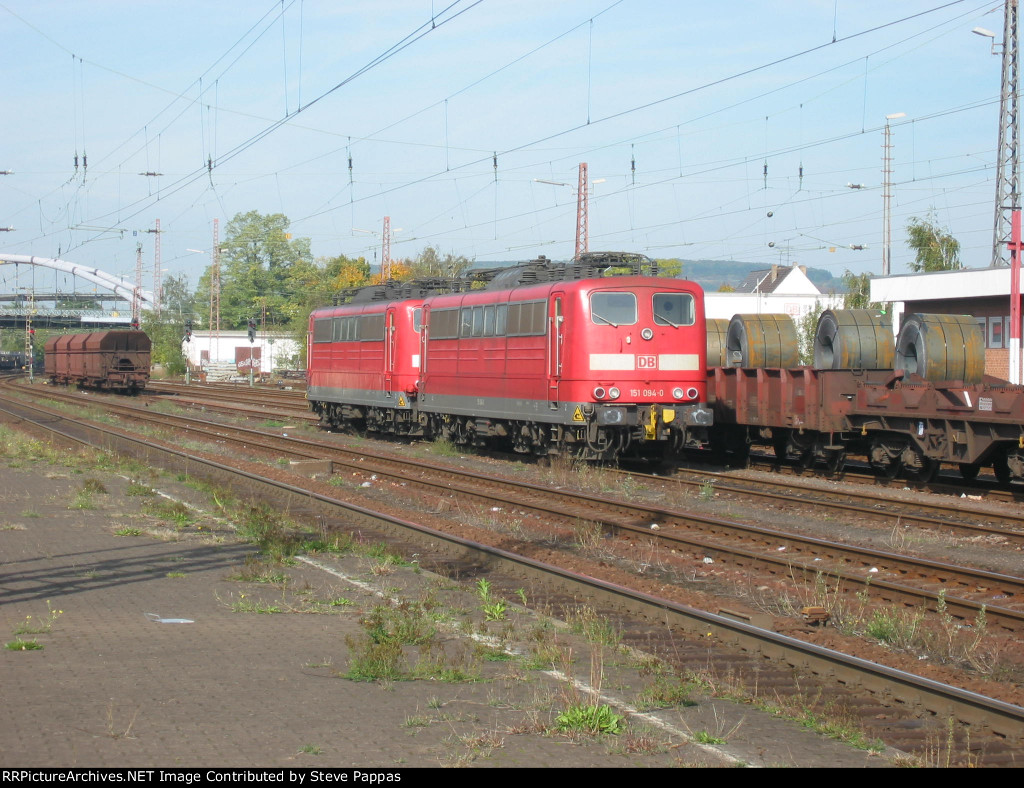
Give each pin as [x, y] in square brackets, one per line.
[983, 293]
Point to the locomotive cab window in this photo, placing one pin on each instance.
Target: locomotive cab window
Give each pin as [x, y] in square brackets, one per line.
[673, 309]
[613, 309]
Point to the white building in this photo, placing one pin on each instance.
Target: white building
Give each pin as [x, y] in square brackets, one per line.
[231, 352]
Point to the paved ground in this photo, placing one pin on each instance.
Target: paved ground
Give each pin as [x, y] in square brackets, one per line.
[114, 687]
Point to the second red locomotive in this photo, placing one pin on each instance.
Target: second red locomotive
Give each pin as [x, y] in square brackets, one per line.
[595, 368]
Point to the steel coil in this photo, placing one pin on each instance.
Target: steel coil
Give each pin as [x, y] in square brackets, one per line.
[941, 348]
[718, 327]
[755, 341]
[854, 339]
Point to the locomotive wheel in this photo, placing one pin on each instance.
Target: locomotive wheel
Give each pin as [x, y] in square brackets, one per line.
[969, 470]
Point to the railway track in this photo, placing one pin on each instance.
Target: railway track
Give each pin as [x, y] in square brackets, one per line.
[891, 578]
[956, 517]
[726, 625]
[251, 402]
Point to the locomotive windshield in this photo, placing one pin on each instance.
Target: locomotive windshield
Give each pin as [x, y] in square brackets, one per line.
[613, 309]
[674, 309]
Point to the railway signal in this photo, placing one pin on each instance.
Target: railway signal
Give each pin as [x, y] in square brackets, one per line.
[188, 330]
[252, 330]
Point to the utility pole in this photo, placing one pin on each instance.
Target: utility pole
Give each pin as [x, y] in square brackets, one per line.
[1007, 166]
[887, 194]
[215, 293]
[1015, 311]
[30, 336]
[385, 251]
[582, 231]
[157, 283]
[137, 295]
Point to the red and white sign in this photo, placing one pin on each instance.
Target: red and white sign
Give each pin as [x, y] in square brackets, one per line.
[646, 362]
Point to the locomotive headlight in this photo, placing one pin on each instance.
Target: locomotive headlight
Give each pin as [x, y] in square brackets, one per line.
[647, 333]
[613, 392]
[599, 393]
[692, 393]
[677, 393]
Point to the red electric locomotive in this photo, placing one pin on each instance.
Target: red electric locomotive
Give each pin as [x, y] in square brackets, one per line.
[363, 364]
[593, 367]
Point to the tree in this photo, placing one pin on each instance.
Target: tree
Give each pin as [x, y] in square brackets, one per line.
[670, 269]
[429, 264]
[806, 332]
[314, 284]
[166, 332]
[934, 248]
[177, 299]
[259, 262]
[858, 291]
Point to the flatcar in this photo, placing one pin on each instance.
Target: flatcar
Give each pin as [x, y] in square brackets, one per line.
[593, 368]
[909, 405]
[112, 360]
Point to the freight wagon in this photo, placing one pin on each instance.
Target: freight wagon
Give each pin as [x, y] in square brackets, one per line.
[907, 406]
[111, 360]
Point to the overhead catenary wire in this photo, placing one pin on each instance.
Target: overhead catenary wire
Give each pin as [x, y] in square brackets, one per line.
[454, 166]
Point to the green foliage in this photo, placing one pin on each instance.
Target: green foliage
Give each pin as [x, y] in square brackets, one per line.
[261, 271]
[431, 264]
[933, 246]
[858, 291]
[591, 719]
[167, 330]
[40, 625]
[665, 692]
[19, 644]
[670, 269]
[494, 611]
[806, 329]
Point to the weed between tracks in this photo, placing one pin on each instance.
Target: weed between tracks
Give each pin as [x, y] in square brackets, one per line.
[918, 631]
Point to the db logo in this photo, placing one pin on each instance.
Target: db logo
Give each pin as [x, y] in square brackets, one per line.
[646, 362]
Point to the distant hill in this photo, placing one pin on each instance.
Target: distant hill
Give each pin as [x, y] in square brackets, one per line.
[712, 274]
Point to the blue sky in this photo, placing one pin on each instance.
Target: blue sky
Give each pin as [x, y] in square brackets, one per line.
[421, 94]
